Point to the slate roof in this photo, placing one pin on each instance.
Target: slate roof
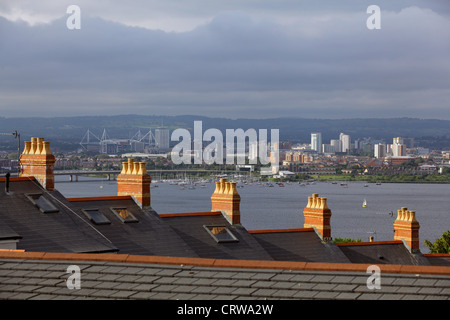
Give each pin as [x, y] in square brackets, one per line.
[298, 245]
[382, 252]
[438, 259]
[60, 231]
[190, 227]
[150, 235]
[182, 235]
[45, 279]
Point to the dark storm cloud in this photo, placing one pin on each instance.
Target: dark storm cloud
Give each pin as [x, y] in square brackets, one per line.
[237, 64]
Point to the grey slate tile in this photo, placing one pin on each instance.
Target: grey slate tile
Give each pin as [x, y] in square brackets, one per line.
[223, 290]
[225, 282]
[345, 287]
[204, 297]
[164, 288]
[19, 296]
[304, 294]
[264, 292]
[403, 281]
[243, 283]
[326, 295]
[324, 287]
[204, 282]
[284, 293]
[244, 291]
[442, 283]
[430, 291]
[347, 296]
[122, 294]
[284, 285]
[263, 284]
[369, 296]
[104, 293]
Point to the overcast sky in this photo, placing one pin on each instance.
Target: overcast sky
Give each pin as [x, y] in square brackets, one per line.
[227, 58]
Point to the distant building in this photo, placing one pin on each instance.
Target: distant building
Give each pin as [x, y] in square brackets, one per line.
[345, 142]
[162, 138]
[336, 145]
[379, 150]
[398, 147]
[316, 142]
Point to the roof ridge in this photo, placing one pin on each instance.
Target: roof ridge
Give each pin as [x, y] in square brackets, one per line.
[281, 230]
[225, 263]
[348, 244]
[190, 214]
[106, 198]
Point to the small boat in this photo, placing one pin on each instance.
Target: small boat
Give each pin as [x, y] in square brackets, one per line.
[366, 185]
[364, 205]
[344, 185]
[378, 183]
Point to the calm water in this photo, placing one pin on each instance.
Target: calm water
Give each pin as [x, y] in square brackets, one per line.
[281, 207]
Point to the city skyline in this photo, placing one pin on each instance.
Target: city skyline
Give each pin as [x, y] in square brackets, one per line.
[226, 59]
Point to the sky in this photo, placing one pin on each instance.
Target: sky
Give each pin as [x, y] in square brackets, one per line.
[227, 58]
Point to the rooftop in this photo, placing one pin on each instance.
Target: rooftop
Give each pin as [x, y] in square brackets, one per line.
[44, 276]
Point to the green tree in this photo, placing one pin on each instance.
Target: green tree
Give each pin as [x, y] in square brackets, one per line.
[441, 245]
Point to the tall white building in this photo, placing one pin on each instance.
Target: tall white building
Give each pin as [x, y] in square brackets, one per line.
[162, 138]
[336, 145]
[398, 148]
[379, 150]
[345, 142]
[316, 141]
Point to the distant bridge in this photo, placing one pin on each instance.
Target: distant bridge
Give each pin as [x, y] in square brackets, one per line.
[112, 174]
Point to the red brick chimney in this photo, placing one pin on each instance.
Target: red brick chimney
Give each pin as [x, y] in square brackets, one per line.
[406, 228]
[227, 200]
[135, 181]
[317, 215]
[37, 161]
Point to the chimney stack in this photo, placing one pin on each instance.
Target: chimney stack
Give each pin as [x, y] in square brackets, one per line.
[406, 228]
[37, 161]
[317, 215]
[227, 200]
[135, 181]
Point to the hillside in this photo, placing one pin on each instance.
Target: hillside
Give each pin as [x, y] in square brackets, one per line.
[72, 129]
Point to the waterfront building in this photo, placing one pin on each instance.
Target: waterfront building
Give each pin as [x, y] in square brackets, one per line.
[316, 142]
[345, 142]
[379, 150]
[162, 138]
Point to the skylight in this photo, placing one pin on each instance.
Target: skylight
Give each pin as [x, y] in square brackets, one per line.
[43, 204]
[124, 215]
[221, 234]
[96, 216]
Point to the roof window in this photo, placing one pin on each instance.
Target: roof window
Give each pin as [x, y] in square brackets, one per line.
[42, 203]
[124, 215]
[221, 234]
[96, 216]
